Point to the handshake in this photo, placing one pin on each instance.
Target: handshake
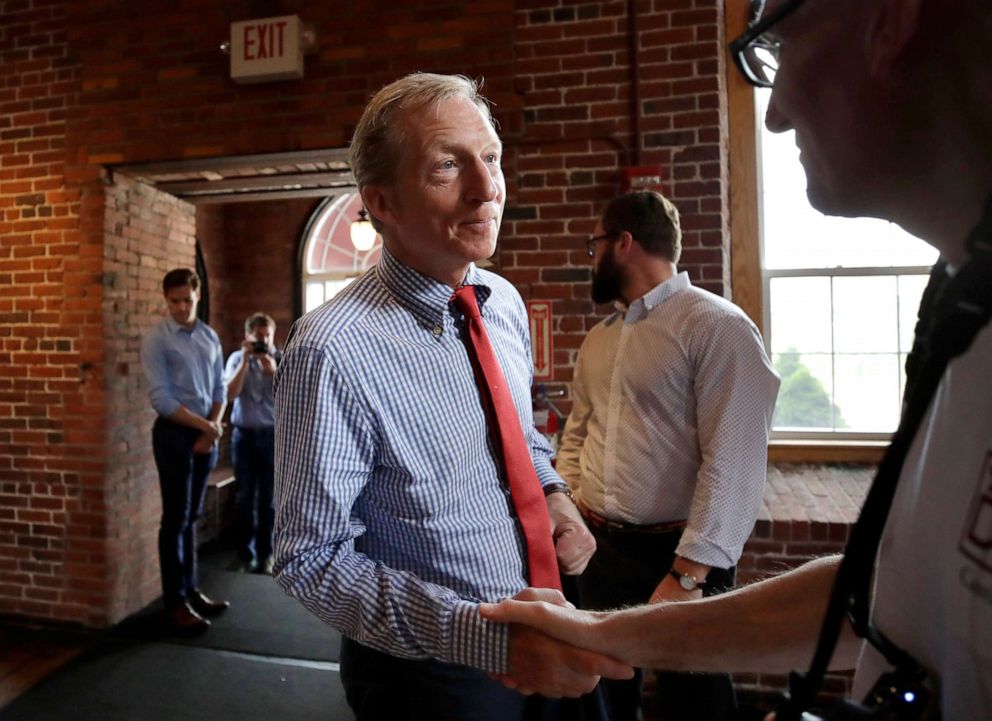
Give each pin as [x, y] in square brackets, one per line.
[554, 649]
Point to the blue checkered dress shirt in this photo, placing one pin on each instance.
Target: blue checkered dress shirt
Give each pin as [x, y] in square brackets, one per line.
[393, 520]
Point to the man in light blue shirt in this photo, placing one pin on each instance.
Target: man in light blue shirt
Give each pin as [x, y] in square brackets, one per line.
[393, 515]
[183, 364]
[249, 374]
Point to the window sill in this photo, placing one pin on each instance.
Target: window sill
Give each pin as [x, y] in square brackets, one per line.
[781, 451]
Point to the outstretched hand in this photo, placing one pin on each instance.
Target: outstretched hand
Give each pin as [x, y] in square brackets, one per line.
[538, 663]
[540, 609]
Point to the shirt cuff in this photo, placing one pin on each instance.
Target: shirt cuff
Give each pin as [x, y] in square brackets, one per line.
[166, 407]
[476, 642]
[702, 550]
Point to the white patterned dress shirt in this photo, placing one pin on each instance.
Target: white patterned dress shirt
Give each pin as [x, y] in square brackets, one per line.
[672, 403]
[393, 520]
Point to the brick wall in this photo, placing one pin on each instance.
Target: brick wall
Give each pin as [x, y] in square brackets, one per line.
[52, 522]
[604, 88]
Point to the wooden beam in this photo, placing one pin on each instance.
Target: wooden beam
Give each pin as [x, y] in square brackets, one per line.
[745, 213]
[233, 162]
[279, 181]
[255, 197]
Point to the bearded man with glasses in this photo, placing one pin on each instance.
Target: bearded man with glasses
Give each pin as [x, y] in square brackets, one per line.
[891, 101]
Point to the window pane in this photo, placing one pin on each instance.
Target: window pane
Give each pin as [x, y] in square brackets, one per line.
[865, 315]
[333, 287]
[867, 391]
[794, 235]
[800, 315]
[805, 395]
[314, 296]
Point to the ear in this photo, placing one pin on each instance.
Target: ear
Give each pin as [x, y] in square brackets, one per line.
[891, 25]
[380, 202]
[625, 241]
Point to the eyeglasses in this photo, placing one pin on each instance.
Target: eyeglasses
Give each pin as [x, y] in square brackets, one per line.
[591, 242]
[756, 51]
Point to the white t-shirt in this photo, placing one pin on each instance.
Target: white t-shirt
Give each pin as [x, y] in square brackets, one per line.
[933, 595]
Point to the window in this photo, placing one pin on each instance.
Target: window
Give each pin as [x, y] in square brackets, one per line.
[840, 302]
[330, 261]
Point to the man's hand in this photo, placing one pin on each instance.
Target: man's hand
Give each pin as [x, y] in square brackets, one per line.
[212, 431]
[539, 664]
[268, 363]
[574, 544]
[203, 445]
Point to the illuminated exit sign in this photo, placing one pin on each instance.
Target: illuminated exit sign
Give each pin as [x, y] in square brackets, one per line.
[266, 49]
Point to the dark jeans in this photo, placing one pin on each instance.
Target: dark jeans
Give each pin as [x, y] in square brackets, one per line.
[627, 567]
[253, 455]
[380, 687]
[182, 477]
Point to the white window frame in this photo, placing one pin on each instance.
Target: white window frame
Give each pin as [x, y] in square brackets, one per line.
[359, 258]
[838, 272]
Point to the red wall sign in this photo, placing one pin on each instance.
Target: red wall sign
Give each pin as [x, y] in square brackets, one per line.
[541, 345]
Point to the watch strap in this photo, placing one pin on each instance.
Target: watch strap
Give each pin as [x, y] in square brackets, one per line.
[558, 488]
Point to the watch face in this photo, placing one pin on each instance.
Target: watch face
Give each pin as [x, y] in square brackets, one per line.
[687, 582]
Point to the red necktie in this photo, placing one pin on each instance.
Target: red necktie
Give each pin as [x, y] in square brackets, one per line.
[525, 488]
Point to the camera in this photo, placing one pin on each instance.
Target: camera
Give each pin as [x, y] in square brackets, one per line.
[896, 696]
[260, 346]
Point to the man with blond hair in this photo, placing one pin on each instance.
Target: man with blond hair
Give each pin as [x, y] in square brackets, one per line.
[395, 513]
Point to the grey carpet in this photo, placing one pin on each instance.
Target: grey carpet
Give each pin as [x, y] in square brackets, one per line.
[166, 682]
[261, 620]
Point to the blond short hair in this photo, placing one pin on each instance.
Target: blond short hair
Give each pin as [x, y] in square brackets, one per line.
[377, 143]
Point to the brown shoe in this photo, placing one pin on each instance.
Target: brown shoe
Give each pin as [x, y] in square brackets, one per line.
[206, 606]
[187, 621]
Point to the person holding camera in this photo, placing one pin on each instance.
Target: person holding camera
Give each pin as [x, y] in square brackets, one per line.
[183, 364]
[249, 374]
[891, 102]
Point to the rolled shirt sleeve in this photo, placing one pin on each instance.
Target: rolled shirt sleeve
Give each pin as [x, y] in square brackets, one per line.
[154, 362]
[735, 389]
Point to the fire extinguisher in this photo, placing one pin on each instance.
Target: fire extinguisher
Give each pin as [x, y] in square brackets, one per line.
[547, 417]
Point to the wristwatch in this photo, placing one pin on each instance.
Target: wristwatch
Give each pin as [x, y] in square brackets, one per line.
[686, 581]
[558, 488]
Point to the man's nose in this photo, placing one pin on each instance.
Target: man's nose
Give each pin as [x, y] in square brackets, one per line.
[775, 120]
[482, 186]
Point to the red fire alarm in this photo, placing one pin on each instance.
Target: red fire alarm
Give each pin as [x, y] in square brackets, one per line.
[641, 177]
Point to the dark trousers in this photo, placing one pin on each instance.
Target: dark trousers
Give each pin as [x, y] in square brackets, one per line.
[182, 477]
[626, 569]
[253, 456]
[380, 687]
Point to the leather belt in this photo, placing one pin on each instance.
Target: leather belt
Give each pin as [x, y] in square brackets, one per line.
[597, 521]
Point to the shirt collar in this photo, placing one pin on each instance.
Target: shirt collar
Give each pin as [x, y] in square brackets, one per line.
[177, 327]
[640, 308]
[426, 298]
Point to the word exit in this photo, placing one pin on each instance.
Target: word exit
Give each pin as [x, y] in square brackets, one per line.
[266, 49]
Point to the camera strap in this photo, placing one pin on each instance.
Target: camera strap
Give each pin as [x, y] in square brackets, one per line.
[954, 309]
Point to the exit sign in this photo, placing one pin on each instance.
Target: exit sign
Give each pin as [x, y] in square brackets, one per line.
[266, 49]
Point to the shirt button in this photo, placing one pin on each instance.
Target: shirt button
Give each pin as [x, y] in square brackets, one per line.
[438, 330]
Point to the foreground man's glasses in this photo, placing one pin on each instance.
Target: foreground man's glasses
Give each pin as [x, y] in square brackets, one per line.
[756, 50]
